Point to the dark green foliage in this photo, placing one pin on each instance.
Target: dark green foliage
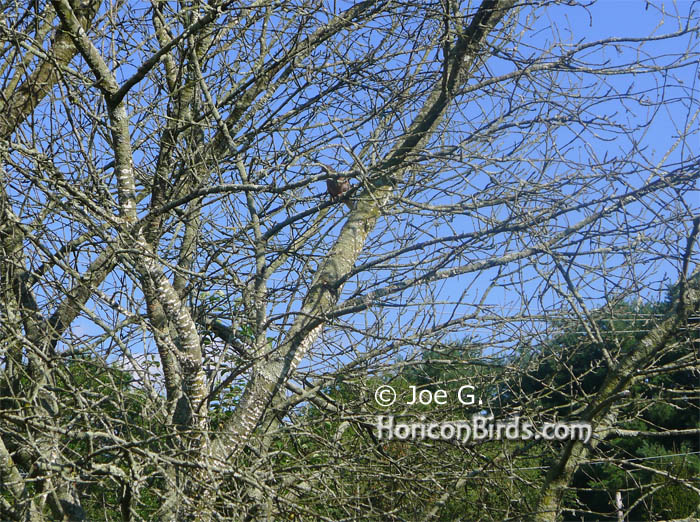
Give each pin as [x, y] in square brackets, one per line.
[117, 417]
[570, 367]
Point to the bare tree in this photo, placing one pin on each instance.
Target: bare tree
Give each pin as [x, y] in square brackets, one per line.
[224, 226]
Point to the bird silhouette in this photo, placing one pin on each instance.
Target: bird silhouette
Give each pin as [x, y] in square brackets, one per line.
[337, 187]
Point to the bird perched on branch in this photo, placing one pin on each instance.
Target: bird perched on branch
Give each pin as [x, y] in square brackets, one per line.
[337, 187]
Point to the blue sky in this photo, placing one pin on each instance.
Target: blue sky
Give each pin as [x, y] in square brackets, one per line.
[600, 150]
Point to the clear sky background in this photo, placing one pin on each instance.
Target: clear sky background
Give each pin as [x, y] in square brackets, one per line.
[659, 128]
[656, 105]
